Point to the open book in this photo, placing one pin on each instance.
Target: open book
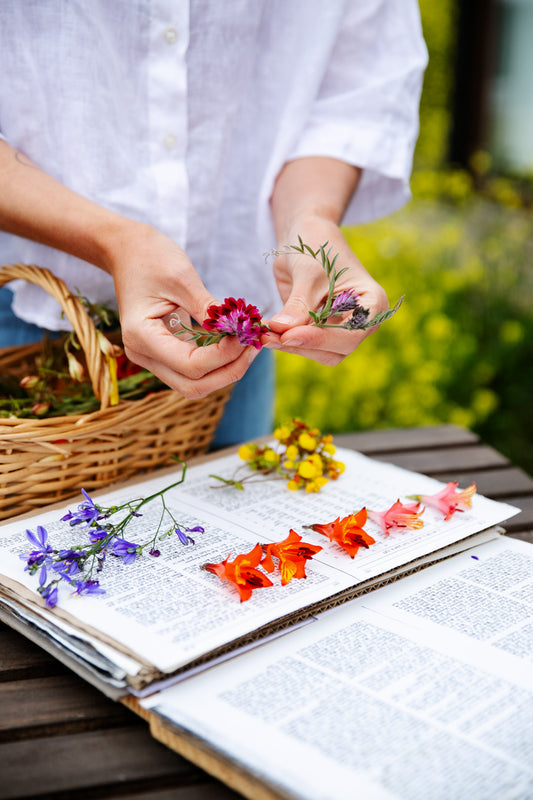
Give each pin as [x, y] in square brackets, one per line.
[421, 689]
[162, 617]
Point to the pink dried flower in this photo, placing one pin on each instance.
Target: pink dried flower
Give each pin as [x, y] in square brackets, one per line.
[398, 516]
[449, 500]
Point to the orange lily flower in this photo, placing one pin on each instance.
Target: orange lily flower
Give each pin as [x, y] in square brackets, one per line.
[242, 572]
[399, 515]
[347, 532]
[292, 554]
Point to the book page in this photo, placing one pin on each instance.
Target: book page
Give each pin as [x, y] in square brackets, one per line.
[169, 612]
[421, 689]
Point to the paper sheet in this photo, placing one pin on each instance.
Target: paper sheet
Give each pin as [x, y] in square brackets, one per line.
[168, 612]
[421, 689]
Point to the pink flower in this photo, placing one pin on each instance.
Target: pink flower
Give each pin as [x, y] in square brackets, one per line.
[448, 500]
[398, 516]
[236, 318]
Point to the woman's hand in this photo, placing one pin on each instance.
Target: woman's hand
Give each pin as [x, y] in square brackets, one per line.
[309, 200]
[153, 279]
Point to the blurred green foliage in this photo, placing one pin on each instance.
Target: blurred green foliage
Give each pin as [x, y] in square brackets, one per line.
[460, 350]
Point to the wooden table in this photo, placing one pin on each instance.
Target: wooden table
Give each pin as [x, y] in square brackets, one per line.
[61, 738]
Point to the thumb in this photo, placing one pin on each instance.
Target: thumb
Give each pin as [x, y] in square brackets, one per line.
[295, 312]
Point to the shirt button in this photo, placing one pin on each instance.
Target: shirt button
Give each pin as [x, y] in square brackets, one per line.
[171, 35]
[169, 141]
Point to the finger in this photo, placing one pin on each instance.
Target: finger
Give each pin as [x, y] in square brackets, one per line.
[154, 344]
[306, 288]
[311, 337]
[325, 357]
[209, 382]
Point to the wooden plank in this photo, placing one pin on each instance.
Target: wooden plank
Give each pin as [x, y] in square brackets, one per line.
[55, 705]
[95, 764]
[431, 462]
[403, 439]
[204, 791]
[495, 483]
[22, 660]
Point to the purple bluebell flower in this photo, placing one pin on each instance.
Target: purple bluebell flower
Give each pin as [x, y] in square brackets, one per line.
[154, 552]
[344, 301]
[88, 587]
[97, 534]
[87, 512]
[182, 534]
[49, 595]
[42, 554]
[125, 550]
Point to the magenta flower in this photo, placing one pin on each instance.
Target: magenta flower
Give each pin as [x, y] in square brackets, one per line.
[236, 318]
[449, 500]
[398, 516]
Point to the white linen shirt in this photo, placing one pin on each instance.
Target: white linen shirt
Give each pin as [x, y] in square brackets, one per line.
[181, 113]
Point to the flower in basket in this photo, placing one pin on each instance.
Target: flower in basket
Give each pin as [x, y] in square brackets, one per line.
[59, 385]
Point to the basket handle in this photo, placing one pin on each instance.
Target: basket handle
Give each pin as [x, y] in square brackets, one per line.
[77, 316]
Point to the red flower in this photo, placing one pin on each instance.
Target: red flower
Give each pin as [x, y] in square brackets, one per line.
[448, 500]
[236, 318]
[399, 515]
[242, 572]
[347, 532]
[292, 554]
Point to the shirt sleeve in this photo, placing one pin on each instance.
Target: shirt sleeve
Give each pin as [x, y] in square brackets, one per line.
[366, 111]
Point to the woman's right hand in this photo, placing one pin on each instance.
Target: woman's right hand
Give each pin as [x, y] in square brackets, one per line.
[153, 279]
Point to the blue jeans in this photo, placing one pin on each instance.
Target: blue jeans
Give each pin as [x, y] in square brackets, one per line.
[249, 412]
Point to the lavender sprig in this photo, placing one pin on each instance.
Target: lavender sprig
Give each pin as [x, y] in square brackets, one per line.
[77, 565]
[345, 300]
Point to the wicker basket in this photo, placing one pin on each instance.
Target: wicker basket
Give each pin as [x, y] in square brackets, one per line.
[45, 460]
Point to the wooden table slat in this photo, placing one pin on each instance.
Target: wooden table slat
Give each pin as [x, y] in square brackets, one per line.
[404, 439]
[43, 706]
[495, 483]
[75, 763]
[453, 458]
[22, 660]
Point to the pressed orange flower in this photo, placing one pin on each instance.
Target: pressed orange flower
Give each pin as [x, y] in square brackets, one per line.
[449, 500]
[399, 515]
[292, 554]
[347, 532]
[242, 572]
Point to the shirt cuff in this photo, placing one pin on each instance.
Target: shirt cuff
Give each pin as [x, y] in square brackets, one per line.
[384, 157]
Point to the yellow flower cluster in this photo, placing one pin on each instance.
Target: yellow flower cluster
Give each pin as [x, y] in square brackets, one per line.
[305, 457]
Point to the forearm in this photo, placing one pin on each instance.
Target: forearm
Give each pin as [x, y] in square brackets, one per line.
[37, 207]
[311, 191]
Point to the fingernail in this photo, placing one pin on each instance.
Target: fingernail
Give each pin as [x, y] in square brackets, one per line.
[283, 319]
[292, 343]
